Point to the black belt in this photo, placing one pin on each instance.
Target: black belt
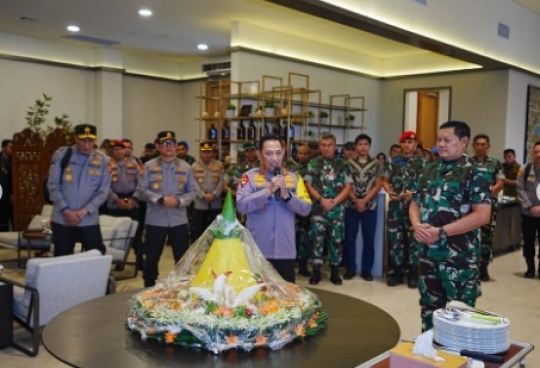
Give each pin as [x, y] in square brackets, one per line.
[125, 195]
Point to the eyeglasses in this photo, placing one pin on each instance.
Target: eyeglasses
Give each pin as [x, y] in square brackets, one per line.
[168, 144]
[118, 149]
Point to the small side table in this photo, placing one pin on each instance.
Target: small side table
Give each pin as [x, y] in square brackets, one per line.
[6, 314]
[514, 356]
[35, 239]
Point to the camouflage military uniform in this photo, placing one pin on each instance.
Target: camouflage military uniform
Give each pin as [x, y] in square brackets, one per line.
[449, 268]
[510, 172]
[235, 171]
[495, 170]
[302, 224]
[233, 176]
[403, 176]
[290, 164]
[329, 178]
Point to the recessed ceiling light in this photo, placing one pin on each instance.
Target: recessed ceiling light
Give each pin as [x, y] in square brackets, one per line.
[202, 46]
[73, 28]
[145, 12]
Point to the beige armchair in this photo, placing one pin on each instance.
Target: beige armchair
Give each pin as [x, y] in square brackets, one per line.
[54, 284]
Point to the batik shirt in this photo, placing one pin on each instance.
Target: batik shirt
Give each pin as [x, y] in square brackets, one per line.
[364, 175]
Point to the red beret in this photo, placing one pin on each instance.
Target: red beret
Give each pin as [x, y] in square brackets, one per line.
[409, 134]
[116, 143]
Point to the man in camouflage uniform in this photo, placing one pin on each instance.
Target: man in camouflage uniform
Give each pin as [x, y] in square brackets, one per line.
[208, 202]
[329, 183]
[400, 183]
[494, 167]
[451, 203]
[510, 171]
[235, 171]
[303, 240]
[182, 152]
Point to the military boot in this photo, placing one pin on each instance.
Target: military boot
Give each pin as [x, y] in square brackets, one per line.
[334, 275]
[530, 268]
[302, 268]
[412, 282]
[315, 275]
[484, 275]
[396, 278]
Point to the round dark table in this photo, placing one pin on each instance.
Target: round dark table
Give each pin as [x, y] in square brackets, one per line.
[93, 334]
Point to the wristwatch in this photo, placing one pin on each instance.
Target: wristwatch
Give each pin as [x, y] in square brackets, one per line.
[442, 233]
[161, 201]
[289, 197]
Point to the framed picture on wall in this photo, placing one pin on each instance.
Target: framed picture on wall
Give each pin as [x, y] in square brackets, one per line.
[532, 127]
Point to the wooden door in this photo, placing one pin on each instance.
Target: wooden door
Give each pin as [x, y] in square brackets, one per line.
[427, 118]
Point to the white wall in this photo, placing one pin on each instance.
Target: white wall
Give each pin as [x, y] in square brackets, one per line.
[471, 25]
[151, 106]
[478, 98]
[248, 66]
[148, 105]
[22, 83]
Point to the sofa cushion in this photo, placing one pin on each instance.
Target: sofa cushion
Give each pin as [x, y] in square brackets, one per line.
[31, 268]
[115, 231]
[35, 223]
[46, 211]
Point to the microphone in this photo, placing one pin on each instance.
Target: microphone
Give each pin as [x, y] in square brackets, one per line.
[277, 171]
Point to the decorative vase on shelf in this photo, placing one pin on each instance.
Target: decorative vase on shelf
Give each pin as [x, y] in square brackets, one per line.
[205, 115]
[226, 131]
[264, 129]
[230, 113]
[241, 131]
[251, 131]
[217, 115]
[259, 113]
[284, 111]
[268, 111]
[212, 132]
[276, 129]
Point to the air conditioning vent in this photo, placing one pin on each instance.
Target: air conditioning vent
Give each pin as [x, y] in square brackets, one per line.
[217, 68]
[94, 40]
[503, 31]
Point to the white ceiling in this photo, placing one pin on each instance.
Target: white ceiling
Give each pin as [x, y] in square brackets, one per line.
[177, 26]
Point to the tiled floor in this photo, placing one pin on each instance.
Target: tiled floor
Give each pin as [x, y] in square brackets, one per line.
[509, 294]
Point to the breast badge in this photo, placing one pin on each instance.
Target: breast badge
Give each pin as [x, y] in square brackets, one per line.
[244, 180]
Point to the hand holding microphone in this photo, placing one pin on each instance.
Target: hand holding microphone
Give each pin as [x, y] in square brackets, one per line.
[278, 181]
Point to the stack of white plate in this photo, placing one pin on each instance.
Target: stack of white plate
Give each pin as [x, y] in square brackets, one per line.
[466, 333]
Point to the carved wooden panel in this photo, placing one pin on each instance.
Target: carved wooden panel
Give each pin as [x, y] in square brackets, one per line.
[31, 162]
[58, 138]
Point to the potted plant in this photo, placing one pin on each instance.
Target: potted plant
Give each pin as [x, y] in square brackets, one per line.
[324, 117]
[37, 115]
[231, 110]
[269, 108]
[350, 118]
